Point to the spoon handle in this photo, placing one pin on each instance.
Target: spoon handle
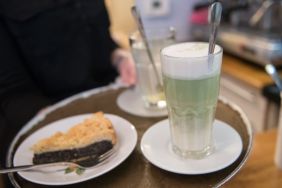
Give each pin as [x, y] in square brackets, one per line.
[212, 39]
[139, 22]
[214, 19]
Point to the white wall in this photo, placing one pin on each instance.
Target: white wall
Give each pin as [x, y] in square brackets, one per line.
[178, 16]
[122, 22]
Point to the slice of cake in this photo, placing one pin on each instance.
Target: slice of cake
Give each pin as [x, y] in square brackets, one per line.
[92, 137]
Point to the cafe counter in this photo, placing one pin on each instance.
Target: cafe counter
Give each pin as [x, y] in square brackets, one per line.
[243, 83]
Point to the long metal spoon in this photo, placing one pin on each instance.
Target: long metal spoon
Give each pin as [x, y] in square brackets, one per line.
[140, 26]
[271, 70]
[214, 20]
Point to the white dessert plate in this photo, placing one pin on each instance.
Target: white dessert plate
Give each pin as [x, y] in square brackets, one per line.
[156, 147]
[127, 139]
[131, 102]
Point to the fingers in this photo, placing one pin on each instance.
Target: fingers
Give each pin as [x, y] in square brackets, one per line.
[127, 72]
[125, 65]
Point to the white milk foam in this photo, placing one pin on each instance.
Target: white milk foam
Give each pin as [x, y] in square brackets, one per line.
[190, 61]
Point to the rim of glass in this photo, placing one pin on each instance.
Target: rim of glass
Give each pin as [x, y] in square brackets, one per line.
[173, 57]
[169, 33]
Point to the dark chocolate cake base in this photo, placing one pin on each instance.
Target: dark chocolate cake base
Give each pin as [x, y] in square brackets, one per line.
[92, 150]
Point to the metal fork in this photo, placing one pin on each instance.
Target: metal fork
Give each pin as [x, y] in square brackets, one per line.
[83, 163]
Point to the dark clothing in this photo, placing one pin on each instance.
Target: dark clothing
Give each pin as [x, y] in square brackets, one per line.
[50, 49]
[67, 48]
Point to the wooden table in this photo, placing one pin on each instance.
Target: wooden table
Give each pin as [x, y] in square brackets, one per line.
[260, 170]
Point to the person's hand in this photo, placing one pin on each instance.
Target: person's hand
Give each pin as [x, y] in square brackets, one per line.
[124, 63]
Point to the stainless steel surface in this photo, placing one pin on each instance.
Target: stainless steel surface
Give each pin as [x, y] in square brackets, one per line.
[259, 35]
[83, 163]
[256, 46]
[250, 29]
[139, 23]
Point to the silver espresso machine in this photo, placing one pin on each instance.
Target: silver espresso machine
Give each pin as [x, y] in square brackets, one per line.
[250, 29]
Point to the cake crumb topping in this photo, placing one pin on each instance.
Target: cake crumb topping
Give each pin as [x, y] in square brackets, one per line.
[93, 129]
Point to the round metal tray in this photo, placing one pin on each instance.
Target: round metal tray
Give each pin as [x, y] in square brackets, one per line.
[135, 171]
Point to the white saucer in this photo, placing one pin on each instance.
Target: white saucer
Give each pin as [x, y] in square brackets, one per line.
[131, 102]
[126, 136]
[156, 147]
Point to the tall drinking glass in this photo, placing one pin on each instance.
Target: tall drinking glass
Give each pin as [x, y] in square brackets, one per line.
[191, 86]
[147, 80]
